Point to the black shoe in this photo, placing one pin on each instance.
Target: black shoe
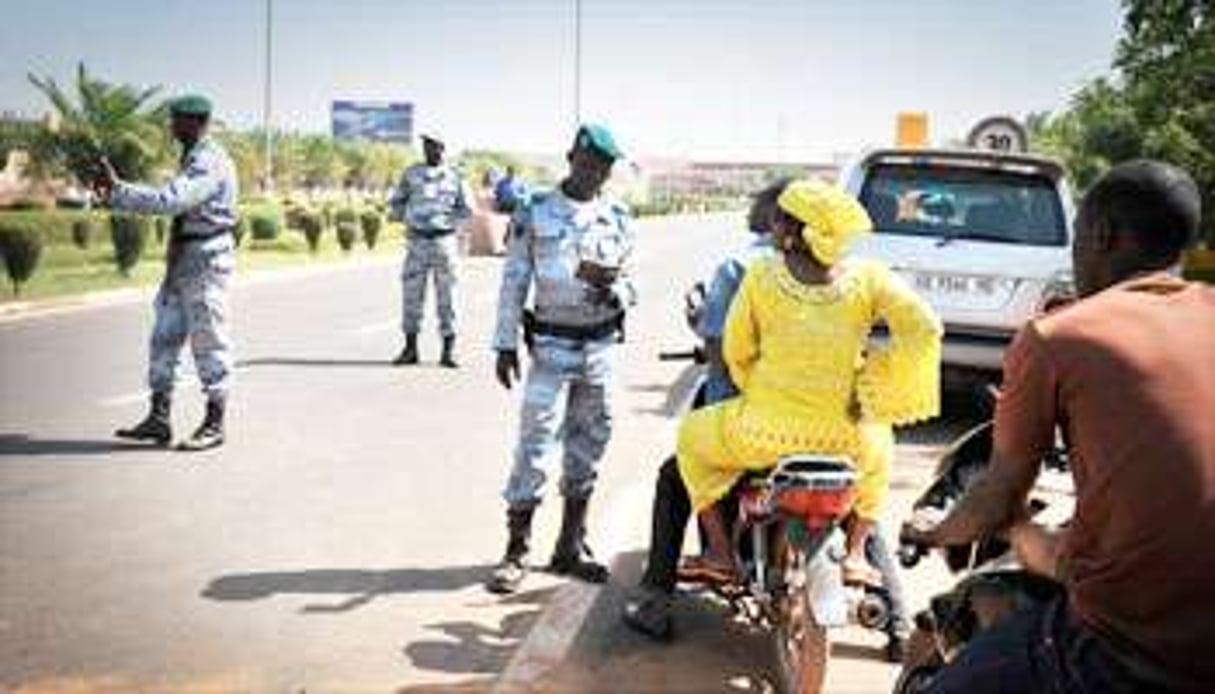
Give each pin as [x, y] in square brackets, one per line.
[155, 427]
[509, 574]
[649, 613]
[448, 360]
[572, 556]
[209, 434]
[409, 354]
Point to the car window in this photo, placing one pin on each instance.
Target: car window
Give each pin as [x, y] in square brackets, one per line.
[999, 206]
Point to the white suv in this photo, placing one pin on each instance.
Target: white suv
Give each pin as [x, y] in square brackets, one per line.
[984, 236]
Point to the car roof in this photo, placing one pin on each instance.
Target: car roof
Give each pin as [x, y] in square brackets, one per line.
[966, 158]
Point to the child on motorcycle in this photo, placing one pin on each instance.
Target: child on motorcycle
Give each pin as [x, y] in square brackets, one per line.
[796, 346]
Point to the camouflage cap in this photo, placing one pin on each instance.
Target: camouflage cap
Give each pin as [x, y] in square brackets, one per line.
[597, 138]
[190, 105]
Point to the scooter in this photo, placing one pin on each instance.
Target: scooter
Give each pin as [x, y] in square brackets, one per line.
[992, 583]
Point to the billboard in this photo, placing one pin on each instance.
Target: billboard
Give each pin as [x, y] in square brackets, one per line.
[382, 121]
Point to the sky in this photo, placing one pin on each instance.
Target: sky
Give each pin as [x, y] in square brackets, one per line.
[759, 80]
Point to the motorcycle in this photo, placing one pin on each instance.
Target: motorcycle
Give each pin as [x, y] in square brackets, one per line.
[992, 582]
[789, 546]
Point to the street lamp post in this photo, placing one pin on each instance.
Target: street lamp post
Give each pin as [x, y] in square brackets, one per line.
[577, 62]
[268, 144]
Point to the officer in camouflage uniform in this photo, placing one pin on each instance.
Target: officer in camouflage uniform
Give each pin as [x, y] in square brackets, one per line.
[192, 301]
[432, 201]
[571, 244]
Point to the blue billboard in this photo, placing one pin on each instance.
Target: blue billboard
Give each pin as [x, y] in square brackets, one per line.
[382, 121]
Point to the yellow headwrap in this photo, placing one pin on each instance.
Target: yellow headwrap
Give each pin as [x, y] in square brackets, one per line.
[832, 217]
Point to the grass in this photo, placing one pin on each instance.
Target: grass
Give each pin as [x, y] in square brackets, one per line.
[66, 270]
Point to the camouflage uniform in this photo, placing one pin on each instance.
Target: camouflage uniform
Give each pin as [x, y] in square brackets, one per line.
[432, 202]
[192, 300]
[550, 236]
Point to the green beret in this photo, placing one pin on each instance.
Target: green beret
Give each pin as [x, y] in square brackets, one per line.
[190, 105]
[598, 139]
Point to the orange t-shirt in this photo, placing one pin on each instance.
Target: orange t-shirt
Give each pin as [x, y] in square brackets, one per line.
[1129, 376]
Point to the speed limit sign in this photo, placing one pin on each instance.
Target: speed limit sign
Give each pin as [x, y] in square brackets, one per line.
[1000, 134]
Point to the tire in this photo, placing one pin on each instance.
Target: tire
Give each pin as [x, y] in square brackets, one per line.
[801, 646]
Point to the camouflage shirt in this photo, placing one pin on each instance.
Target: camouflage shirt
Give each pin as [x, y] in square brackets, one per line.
[550, 236]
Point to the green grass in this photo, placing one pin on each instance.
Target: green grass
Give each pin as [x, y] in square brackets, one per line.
[66, 270]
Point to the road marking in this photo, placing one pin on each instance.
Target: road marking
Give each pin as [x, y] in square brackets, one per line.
[373, 328]
[141, 395]
[549, 641]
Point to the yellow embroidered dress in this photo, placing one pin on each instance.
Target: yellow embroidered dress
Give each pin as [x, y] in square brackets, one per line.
[799, 356]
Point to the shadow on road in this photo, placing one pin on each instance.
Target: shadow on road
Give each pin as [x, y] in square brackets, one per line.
[474, 648]
[359, 586]
[314, 362]
[25, 445]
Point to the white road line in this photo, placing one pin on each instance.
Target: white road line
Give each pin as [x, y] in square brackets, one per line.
[141, 395]
[549, 641]
[373, 328]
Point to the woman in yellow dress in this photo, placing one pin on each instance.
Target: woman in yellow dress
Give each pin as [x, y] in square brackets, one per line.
[796, 345]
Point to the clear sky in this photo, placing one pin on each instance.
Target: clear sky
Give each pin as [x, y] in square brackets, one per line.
[709, 79]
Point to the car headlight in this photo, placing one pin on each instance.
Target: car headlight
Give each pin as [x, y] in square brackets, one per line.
[1060, 290]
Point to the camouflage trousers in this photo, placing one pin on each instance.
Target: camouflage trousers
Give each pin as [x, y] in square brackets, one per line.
[423, 257]
[192, 305]
[566, 403]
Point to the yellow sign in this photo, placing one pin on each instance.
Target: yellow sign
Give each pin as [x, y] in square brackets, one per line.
[912, 129]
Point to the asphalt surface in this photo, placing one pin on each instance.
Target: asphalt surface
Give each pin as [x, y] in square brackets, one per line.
[339, 541]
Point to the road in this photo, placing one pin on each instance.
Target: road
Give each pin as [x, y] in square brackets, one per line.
[339, 541]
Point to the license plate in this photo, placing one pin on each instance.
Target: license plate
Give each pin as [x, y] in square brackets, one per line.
[955, 284]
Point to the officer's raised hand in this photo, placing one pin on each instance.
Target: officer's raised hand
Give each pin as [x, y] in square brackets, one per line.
[507, 367]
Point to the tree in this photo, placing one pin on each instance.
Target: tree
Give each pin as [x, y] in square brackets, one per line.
[1158, 103]
[121, 122]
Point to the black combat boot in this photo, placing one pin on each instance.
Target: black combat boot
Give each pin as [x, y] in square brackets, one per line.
[155, 427]
[572, 556]
[210, 433]
[408, 355]
[509, 574]
[449, 353]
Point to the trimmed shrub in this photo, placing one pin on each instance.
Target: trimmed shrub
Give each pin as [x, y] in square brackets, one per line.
[264, 225]
[129, 234]
[346, 214]
[371, 222]
[82, 232]
[347, 234]
[20, 249]
[312, 225]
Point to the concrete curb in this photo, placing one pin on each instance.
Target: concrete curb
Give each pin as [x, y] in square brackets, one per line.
[547, 644]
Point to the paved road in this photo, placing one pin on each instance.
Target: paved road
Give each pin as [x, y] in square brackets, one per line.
[339, 541]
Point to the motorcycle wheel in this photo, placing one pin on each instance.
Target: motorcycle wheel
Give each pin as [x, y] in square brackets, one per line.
[801, 645]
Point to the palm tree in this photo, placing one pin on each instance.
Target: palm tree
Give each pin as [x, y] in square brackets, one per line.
[122, 122]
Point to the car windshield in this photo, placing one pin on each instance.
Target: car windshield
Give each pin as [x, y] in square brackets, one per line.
[960, 203]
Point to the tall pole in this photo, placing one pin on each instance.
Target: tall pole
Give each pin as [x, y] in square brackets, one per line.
[577, 62]
[266, 113]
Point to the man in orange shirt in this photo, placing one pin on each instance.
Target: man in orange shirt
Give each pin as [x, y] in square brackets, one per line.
[1128, 374]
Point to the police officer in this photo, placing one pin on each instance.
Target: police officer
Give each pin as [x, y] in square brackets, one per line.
[192, 300]
[570, 244]
[432, 201]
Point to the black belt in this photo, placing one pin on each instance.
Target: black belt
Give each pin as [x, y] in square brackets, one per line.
[431, 233]
[582, 333]
[194, 238]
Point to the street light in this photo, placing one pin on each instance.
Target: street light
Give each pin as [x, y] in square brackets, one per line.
[268, 175]
[577, 63]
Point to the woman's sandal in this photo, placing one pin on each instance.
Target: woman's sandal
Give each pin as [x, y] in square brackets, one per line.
[701, 569]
